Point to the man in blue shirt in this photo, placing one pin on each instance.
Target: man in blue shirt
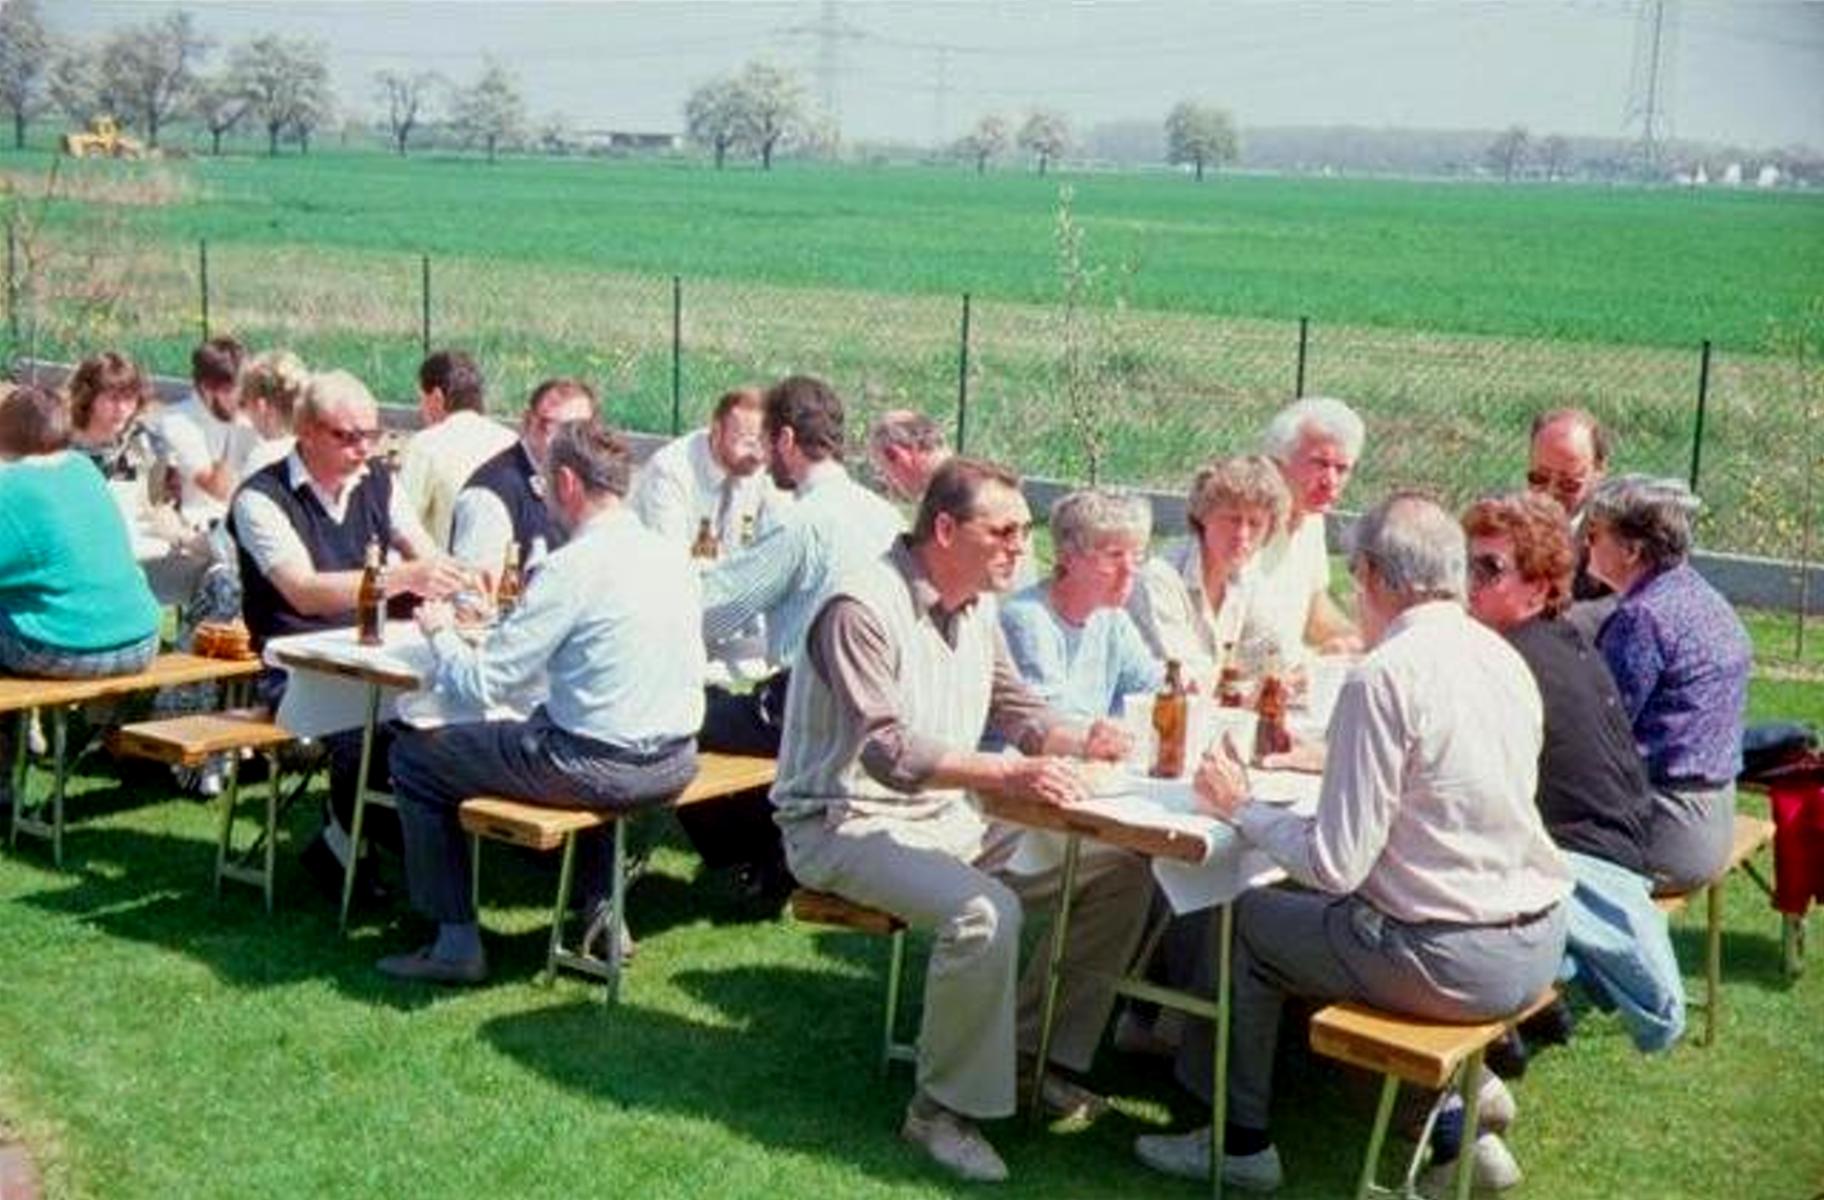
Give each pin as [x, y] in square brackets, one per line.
[611, 620]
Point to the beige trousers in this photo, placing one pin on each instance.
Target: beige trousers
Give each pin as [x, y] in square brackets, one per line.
[947, 874]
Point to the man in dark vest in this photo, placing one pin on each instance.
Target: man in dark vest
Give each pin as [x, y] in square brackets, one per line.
[504, 500]
[301, 528]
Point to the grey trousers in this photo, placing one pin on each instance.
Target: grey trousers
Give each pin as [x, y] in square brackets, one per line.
[435, 770]
[1690, 836]
[949, 875]
[1326, 948]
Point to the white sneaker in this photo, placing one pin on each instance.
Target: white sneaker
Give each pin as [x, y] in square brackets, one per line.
[1495, 1107]
[1187, 1155]
[956, 1143]
[1493, 1169]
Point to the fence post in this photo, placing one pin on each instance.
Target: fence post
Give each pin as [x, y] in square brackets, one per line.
[962, 382]
[1304, 341]
[677, 355]
[202, 275]
[424, 307]
[1703, 401]
[12, 286]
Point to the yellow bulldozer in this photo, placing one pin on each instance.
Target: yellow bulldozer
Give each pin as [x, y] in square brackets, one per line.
[102, 139]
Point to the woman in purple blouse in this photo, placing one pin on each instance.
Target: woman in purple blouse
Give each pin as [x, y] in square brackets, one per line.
[1680, 658]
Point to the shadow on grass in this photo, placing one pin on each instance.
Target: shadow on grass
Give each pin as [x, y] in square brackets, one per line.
[1752, 958]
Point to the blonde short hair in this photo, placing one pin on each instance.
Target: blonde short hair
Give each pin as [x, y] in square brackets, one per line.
[333, 390]
[1245, 481]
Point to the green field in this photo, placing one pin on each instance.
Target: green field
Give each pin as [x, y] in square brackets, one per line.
[1449, 313]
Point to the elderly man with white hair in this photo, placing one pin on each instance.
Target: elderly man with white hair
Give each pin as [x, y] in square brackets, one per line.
[1071, 639]
[1315, 442]
[1429, 884]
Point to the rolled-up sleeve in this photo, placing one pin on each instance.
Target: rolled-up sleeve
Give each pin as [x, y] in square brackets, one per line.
[850, 651]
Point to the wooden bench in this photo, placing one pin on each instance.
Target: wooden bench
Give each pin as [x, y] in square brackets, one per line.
[1751, 834]
[192, 740]
[1426, 1054]
[25, 697]
[540, 828]
[823, 908]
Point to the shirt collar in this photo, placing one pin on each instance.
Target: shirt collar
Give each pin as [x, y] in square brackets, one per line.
[821, 475]
[1426, 613]
[297, 475]
[925, 596]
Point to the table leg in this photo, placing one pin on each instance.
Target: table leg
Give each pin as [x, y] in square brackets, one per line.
[1054, 972]
[354, 834]
[1219, 1097]
[60, 745]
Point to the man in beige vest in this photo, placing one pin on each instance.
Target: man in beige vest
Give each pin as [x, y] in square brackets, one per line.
[903, 669]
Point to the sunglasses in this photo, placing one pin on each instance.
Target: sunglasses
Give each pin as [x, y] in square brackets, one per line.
[352, 437]
[1554, 481]
[1486, 570]
[1015, 532]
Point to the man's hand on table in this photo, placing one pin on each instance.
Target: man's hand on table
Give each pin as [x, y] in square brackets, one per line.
[1305, 756]
[1106, 741]
[435, 616]
[434, 577]
[1221, 785]
[1045, 778]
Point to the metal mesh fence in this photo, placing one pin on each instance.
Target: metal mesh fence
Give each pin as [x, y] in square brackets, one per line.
[1132, 397]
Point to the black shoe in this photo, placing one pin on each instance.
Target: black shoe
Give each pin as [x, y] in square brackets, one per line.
[424, 967]
[765, 885]
[326, 872]
[1551, 1025]
[1507, 1056]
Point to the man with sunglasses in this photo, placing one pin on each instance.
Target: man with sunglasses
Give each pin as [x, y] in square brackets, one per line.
[1567, 457]
[301, 528]
[903, 669]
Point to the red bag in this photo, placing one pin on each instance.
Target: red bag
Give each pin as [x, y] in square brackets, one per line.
[1797, 794]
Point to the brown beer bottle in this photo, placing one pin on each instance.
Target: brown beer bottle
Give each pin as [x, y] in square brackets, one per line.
[705, 547]
[1171, 715]
[370, 598]
[1270, 733]
[512, 583]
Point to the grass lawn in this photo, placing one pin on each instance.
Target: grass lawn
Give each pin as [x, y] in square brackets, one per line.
[155, 1041]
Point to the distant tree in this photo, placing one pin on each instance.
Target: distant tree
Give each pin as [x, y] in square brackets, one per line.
[1554, 156]
[153, 69]
[553, 135]
[490, 110]
[1202, 134]
[406, 95]
[1507, 153]
[77, 85]
[1046, 133]
[986, 142]
[286, 81]
[221, 103]
[25, 51]
[712, 116]
[771, 103]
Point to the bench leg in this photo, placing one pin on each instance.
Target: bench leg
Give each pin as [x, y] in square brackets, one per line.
[566, 868]
[21, 752]
[274, 805]
[617, 907]
[1792, 945]
[896, 961]
[224, 839]
[1054, 973]
[475, 870]
[1383, 1116]
[1713, 956]
[1471, 1085]
[60, 744]
[354, 835]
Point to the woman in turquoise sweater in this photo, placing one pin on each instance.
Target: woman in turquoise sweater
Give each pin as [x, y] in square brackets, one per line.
[73, 602]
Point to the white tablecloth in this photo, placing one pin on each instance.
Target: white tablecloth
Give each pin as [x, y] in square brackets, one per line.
[1230, 865]
[318, 702]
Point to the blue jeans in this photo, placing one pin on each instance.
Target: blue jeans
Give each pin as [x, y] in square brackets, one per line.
[20, 655]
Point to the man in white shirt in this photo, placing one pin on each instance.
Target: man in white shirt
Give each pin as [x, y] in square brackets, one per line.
[504, 500]
[715, 474]
[1431, 886]
[1315, 442]
[301, 528]
[456, 437]
[832, 527]
[611, 622]
[905, 449]
[205, 440]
